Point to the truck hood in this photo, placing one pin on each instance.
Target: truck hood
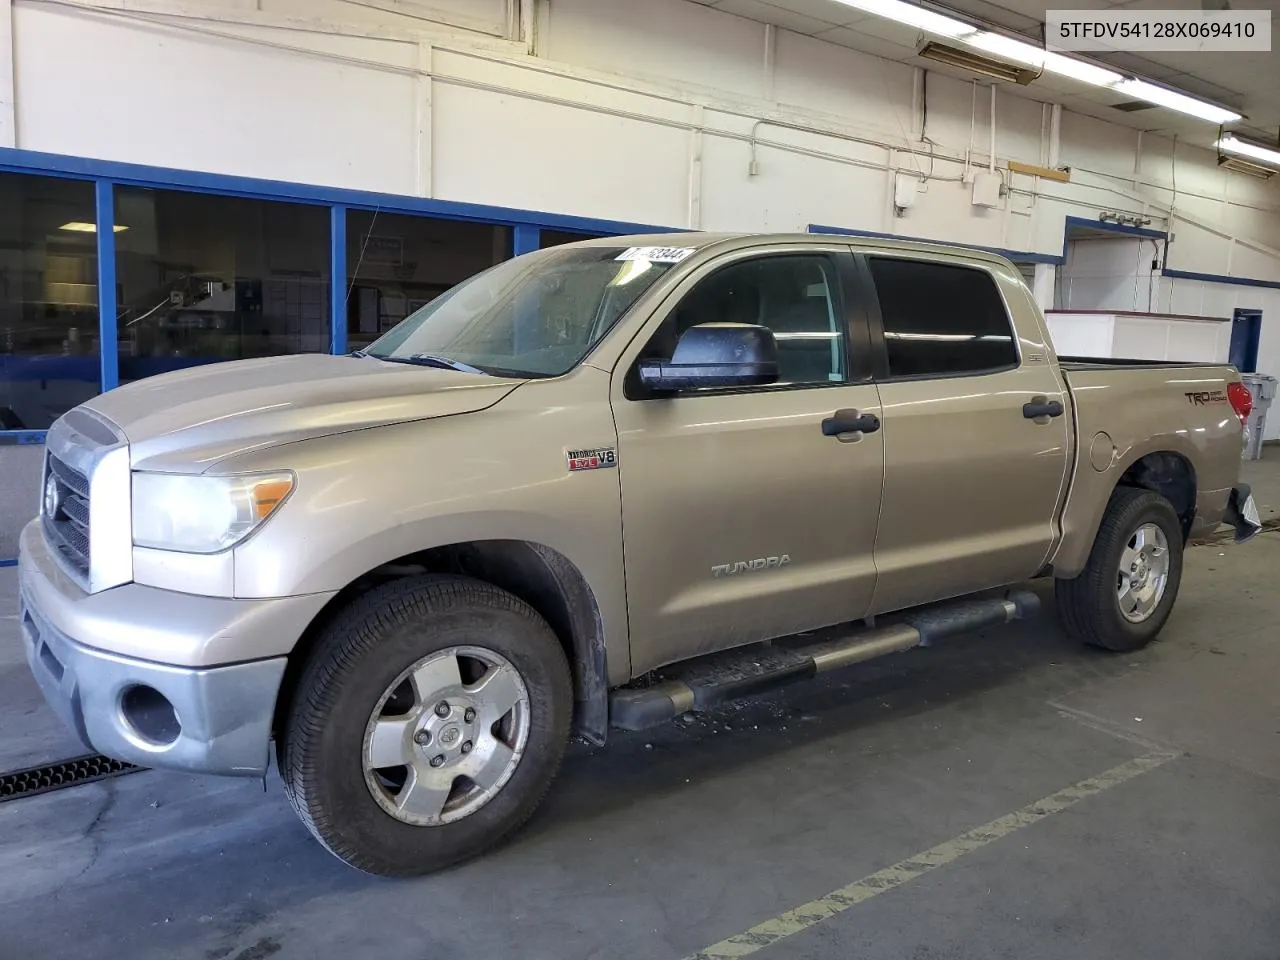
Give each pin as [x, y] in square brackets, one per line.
[188, 420]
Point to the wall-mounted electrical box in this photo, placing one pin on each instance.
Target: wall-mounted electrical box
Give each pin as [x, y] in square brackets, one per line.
[986, 189]
[905, 187]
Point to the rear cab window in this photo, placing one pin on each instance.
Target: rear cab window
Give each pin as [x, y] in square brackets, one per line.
[940, 319]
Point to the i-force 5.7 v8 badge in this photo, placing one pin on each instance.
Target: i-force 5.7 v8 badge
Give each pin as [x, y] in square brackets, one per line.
[592, 458]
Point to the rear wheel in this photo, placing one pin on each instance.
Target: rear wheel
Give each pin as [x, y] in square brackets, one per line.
[1124, 595]
[427, 725]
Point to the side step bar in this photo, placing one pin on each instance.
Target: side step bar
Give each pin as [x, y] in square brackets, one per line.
[747, 671]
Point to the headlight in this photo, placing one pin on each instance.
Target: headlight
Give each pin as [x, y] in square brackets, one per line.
[202, 514]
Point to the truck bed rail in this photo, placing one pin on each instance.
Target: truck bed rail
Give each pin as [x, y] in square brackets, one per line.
[1086, 363]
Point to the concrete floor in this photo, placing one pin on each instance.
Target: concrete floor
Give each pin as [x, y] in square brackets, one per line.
[661, 845]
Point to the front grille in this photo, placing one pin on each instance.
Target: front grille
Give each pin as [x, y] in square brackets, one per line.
[67, 526]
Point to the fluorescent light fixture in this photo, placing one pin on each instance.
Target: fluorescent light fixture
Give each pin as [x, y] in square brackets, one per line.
[80, 226]
[1230, 143]
[913, 16]
[1171, 99]
[1029, 54]
[1022, 55]
[1241, 165]
[977, 63]
[1007, 47]
[1033, 56]
[1080, 70]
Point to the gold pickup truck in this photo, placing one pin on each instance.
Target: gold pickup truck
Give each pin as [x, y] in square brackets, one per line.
[709, 463]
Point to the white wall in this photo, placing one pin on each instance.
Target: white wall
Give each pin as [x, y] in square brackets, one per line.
[631, 111]
[1110, 275]
[628, 111]
[8, 136]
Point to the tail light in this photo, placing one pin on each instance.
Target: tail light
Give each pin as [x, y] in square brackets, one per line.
[1241, 400]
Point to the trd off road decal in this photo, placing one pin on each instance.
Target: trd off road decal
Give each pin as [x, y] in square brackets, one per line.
[1200, 397]
[591, 458]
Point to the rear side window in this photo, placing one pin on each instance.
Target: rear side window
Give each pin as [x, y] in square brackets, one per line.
[941, 319]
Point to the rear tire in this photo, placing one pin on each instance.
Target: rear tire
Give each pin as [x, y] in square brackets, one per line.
[1117, 602]
[406, 666]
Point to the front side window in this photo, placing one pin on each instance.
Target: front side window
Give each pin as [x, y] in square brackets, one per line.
[534, 316]
[940, 319]
[795, 296]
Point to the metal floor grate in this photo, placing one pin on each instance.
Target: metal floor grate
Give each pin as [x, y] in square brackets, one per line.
[56, 776]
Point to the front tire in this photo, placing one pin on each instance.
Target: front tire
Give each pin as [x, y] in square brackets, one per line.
[1124, 595]
[427, 725]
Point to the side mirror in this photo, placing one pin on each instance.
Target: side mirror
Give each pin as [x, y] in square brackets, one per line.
[716, 355]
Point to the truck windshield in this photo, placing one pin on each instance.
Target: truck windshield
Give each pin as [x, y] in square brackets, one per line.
[535, 316]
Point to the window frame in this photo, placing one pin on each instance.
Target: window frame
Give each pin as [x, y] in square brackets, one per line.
[880, 348]
[850, 309]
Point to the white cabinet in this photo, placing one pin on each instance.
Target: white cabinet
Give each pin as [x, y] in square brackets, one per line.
[1139, 336]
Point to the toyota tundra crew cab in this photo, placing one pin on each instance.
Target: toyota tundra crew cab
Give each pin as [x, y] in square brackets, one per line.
[597, 485]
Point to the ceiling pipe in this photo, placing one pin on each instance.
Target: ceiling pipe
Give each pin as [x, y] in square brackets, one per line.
[992, 159]
[770, 55]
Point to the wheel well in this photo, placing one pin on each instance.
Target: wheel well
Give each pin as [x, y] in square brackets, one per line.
[1170, 475]
[539, 576]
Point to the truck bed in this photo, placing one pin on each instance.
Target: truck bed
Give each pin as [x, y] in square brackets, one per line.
[1179, 414]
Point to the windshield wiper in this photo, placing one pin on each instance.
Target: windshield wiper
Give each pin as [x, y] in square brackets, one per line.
[431, 360]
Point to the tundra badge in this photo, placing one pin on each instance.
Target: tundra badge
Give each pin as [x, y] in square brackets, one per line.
[750, 566]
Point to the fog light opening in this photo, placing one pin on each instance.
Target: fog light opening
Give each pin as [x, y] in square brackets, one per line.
[149, 715]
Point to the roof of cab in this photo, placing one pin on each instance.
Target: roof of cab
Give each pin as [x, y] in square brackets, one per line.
[699, 241]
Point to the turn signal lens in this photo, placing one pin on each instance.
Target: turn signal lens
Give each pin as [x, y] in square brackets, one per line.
[1241, 400]
[268, 495]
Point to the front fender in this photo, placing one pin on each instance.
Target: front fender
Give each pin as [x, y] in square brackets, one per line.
[365, 499]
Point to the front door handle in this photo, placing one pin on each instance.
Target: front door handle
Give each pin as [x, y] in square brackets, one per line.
[1042, 409]
[849, 421]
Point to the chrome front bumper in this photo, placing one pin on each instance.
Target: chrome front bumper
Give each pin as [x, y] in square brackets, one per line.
[219, 715]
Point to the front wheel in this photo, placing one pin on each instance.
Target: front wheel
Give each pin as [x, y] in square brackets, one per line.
[427, 725]
[1124, 595]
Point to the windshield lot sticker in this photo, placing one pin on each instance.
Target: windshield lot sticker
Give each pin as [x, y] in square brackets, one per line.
[655, 254]
[592, 458]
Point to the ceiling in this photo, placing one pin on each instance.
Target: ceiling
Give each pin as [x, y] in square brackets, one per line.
[1246, 82]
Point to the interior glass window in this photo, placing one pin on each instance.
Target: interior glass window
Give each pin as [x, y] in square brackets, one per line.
[49, 359]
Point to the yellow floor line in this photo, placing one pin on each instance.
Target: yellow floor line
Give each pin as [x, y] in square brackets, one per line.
[837, 901]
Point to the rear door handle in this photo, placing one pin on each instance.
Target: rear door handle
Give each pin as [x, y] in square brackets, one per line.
[1041, 408]
[849, 421]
